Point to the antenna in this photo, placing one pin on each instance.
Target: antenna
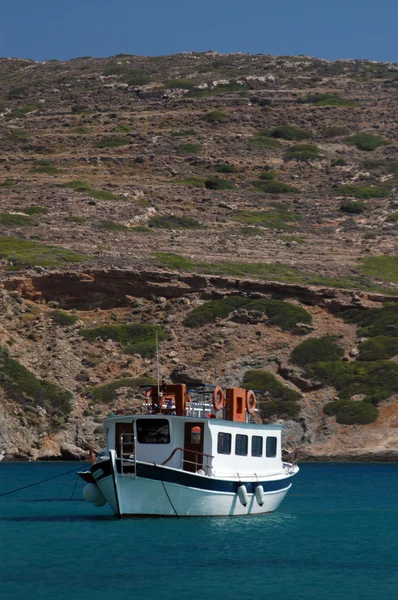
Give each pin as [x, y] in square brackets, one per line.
[157, 365]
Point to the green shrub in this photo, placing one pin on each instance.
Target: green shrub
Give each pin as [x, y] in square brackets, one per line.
[35, 210]
[377, 380]
[174, 261]
[79, 109]
[23, 253]
[103, 195]
[382, 166]
[23, 110]
[251, 231]
[191, 181]
[7, 183]
[271, 186]
[115, 69]
[112, 226]
[335, 131]
[122, 128]
[14, 220]
[105, 394]
[328, 99]
[82, 186]
[374, 322]
[267, 175]
[316, 350]
[213, 310]
[77, 184]
[62, 318]
[264, 138]
[282, 401]
[134, 339]
[392, 217]
[283, 314]
[16, 92]
[302, 152]
[267, 271]
[339, 162]
[173, 222]
[280, 313]
[382, 267]
[353, 207]
[378, 348]
[218, 183]
[112, 141]
[184, 133]
[272, 219]
[350, 413]
[183, 84]
[25, 388]
[366, 141]
[225, 168]
[215, 116]
[364, 192]
[291, 132]
[139, 79]
[189, 148]
[47, 169]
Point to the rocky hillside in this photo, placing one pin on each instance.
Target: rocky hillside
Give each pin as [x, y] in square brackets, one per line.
[244, 207]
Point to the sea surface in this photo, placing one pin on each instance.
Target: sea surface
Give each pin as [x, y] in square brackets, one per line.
[334, 537]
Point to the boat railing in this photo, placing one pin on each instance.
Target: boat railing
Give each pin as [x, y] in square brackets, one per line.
[290, 461]
[202, 461]
[127, 451]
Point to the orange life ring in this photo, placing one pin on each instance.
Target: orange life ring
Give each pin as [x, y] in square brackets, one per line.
[250, 402]
[218, 398]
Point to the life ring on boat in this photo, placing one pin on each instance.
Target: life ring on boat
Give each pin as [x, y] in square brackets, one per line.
[218, 398]
[250, 402]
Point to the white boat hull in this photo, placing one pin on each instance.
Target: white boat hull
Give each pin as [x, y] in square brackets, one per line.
[130, 496]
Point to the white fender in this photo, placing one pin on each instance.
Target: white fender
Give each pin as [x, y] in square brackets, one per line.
[259, 492]
[92, 493]
[100, 502]
[242, 494]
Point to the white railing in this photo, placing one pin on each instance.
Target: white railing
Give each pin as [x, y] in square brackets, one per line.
[201, 462]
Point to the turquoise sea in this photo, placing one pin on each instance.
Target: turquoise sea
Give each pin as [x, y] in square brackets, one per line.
[334, 537]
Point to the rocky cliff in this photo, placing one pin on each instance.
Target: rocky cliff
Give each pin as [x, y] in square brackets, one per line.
[245, 207]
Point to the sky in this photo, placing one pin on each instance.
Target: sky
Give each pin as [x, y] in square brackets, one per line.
[60, 29]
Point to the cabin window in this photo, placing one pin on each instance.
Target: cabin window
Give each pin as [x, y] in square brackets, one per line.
[257, 445]
[241, 442]
[153, 431]
[270, 449]
[224, 443]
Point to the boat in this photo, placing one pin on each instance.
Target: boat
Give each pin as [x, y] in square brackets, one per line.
[184, 457]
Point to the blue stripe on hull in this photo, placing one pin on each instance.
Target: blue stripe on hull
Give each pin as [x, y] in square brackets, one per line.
[158, 473]
[205, 483]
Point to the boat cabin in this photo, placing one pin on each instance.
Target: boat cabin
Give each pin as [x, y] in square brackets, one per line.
[214, 439]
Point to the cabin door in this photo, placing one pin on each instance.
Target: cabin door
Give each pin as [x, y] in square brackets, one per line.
[128, 440]
[193, 447]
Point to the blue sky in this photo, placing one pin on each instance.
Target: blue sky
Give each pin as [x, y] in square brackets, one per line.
[46, 29]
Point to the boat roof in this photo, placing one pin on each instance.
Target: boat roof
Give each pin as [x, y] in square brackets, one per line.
[211, 422]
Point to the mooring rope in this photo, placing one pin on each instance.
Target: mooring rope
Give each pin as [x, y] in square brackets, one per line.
[36, 483]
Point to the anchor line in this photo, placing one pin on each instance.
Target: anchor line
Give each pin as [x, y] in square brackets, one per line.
[172, 505]
[36, 483]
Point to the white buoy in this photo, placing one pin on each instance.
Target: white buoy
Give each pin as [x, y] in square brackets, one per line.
[259, 492]
[92, 493]
[242, 494]
[100, 502]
